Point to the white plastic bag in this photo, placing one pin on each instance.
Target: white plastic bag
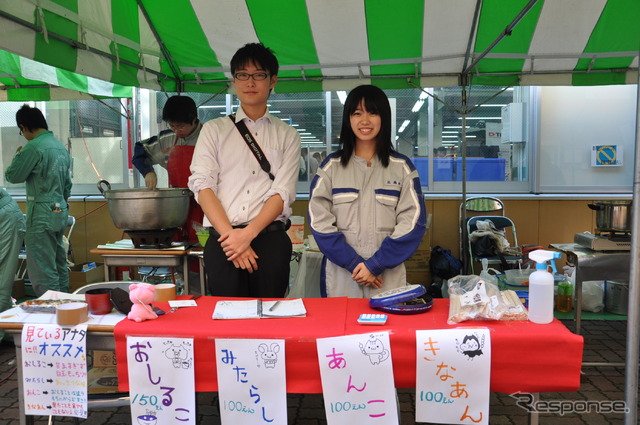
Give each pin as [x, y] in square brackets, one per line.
[486, 273]
[593, 296]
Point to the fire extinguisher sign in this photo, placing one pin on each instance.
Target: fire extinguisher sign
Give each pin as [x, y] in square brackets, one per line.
[606, 156]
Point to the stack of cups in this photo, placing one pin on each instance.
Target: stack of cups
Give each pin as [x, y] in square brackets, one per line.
[296, 232]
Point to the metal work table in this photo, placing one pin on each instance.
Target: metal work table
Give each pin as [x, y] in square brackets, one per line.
[594, 265]
[144, 257]
[199, 254]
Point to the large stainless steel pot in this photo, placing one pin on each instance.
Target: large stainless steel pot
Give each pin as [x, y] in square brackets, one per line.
[612, 216]
[144, 209]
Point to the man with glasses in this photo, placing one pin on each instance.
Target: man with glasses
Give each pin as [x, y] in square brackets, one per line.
[43, 164]
[247, 202]
[172, 149]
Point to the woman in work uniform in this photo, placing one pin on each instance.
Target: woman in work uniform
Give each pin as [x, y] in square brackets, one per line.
[366, 210]
[43, 165]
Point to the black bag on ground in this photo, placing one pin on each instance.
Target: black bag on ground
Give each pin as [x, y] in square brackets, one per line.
[443, 264]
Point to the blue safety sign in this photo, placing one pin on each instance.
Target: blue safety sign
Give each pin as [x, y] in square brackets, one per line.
[606, 155]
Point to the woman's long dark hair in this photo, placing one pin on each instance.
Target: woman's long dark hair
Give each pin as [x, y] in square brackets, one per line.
[375, 101]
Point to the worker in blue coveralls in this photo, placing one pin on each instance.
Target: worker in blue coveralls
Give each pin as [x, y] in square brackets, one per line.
[43, 164]
[12, 230]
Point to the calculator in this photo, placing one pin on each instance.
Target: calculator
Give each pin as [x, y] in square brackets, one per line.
[372, 319]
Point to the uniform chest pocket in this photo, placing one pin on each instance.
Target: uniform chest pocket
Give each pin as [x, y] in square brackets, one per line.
[345, 209]
[385, 209]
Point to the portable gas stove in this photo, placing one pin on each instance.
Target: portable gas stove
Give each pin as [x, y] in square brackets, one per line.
[152, 239]
[604, 242]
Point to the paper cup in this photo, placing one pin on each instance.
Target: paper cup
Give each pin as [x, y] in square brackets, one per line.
[71, 314]
[165, 292]
[99, 301]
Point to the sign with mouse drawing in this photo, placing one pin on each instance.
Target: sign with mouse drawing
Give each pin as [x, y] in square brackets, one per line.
[251, 381]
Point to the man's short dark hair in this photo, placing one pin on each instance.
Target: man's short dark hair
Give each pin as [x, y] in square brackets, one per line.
[180, 109]
[31, 118]
[261, 56]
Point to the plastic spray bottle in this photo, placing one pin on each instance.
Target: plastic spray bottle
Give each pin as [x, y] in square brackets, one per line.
[541, 287]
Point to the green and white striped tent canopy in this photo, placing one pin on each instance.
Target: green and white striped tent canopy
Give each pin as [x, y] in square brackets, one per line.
[23, 79]
[186, 45]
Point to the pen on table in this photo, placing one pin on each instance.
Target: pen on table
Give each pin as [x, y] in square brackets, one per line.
[273, 307]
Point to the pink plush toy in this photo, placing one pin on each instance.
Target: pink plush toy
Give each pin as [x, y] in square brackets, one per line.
[141, 294]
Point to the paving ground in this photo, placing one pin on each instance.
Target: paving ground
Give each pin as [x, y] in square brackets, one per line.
[604, 342]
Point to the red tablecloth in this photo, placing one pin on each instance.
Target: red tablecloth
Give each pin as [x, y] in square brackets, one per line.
[325, 318]
[525, 356]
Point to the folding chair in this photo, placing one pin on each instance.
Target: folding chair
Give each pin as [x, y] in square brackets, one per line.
[500, 223]
[475, 206]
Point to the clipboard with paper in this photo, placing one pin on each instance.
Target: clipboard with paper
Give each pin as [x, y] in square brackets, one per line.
[258, 309]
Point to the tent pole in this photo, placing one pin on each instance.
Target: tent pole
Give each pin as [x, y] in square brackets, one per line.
[633, 317]
[466, 260]
[163, 47]
[505, 33]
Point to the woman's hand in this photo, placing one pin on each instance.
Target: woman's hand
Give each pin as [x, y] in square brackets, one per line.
[364, 277]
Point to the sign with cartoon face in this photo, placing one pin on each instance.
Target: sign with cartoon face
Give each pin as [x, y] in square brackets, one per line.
[357, 379]
[251, 381]
[161, 380]
[453, 376]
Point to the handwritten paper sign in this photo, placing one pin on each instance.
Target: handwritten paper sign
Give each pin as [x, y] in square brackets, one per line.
[54, 370]
[453, 373]
[251, 381]
[161, 380]
[357, 379]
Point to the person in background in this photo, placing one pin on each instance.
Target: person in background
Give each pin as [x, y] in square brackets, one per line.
[12, 228]
[173, 149]
[44, 166]
[248, 205]
[318, 157]
[313, 163]
[366, 210]
[440, 152]
[302, 170]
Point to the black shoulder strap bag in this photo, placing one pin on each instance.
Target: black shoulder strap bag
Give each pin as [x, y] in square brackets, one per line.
[253, 146]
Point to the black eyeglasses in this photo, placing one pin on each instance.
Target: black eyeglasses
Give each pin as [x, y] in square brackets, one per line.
[244, 76]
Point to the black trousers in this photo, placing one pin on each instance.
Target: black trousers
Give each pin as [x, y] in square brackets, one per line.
[269, 281]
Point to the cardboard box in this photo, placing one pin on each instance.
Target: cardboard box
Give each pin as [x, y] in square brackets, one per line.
[104, 358]
[419, 259]
[18, 290]
[419, 277]
[78, 278]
